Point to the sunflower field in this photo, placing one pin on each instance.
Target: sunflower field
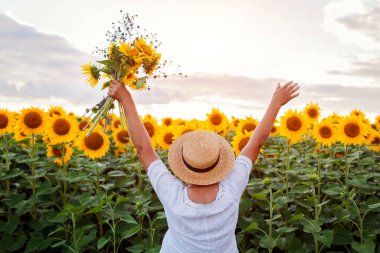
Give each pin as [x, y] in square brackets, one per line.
[315, 186]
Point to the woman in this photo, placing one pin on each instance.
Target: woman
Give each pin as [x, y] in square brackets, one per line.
[201, 216]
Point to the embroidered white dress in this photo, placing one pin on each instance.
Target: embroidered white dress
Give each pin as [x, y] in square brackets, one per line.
[195, 227]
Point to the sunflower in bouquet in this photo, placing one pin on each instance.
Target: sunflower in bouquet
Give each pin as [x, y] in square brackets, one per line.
[130, 58]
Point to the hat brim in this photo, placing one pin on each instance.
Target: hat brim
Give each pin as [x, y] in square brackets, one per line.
[217, 174]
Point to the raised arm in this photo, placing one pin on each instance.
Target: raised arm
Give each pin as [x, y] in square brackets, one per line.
[136, 129]
[281, 96]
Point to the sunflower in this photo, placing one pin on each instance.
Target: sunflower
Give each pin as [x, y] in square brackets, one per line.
[151, 126]
[166, 137]
[83, 123]
[56, 110]
[234, 122]
[7, 121]
[61, 129]
[275, 129]
[56, 151]
[217, 120]
[312, 112]
[92, 73]
[19, 136]
[129, 79]
[147, 50]
[324, 132]
[121, 137]
[31, 121]
[167, 121]
[151, 64]
[377, 122]
[374, 141]
[118, 153]
[358, 113]
[293, 125]
[96, 145]
[246, 125]
[239, 141]
[351, 130]
[182, 129]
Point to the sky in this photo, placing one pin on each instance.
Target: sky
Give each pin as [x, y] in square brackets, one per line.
[234, 53]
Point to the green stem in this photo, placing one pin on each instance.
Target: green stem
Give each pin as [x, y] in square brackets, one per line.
[287, 171]
[7, 167]
[100, 114]
[270, 219]
[347, 167]
[74, 233]
[97, 177]
[33, 168]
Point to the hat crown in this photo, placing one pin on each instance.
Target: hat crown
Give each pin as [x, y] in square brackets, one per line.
[202, 151]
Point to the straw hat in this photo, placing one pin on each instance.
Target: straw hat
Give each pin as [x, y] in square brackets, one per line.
[201, 157]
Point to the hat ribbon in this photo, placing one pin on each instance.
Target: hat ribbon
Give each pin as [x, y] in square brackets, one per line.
[200, 170]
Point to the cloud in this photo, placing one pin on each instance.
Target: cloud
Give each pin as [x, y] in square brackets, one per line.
[255, 94]
[354, 22]
[358, 23]
[42, 68]
[35, 65]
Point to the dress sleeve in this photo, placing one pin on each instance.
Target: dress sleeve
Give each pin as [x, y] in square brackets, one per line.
[164, 183]
[238, 178]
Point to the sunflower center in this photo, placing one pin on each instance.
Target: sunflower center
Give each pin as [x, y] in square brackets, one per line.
[54, 112]
[249, 127]
[236, 123]
[3, 121]
[216, 119]
[116, 123]
[243, 142]
[168, 122]
[57, 152]
[312, 113]
[82, 124]
[168, 138]
[325, 132]
[376, 141]
[149, 128]
[122, 136]
[273, 130]
[94, 141]
[351, 130]
[294, 123]
[33, 120]
[61, 126]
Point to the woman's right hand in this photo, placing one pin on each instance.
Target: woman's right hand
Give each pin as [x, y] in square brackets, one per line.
[285, 93]
[118, 91]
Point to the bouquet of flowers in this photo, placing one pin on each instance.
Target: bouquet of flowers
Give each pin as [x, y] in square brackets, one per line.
[130, 59]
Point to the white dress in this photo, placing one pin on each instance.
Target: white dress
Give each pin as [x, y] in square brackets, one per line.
[195, 227]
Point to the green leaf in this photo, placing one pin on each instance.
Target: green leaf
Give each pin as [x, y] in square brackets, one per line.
[103, 241]
[121, 199]
[326, 237]
[245, 205]
[116, 173]
[38, 242]
[296, 217]
[310, 226]
[131, 231]
[250, 227]
[136, 248]
[58, 244]
[18, 244]
[367, 247]
[106, 85]
[260, 196]
[11, 225]
[140, 82]
[128, 218]
[283, 230]
[332, 189]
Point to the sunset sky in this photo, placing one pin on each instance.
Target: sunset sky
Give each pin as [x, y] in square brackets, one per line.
[234, 53]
